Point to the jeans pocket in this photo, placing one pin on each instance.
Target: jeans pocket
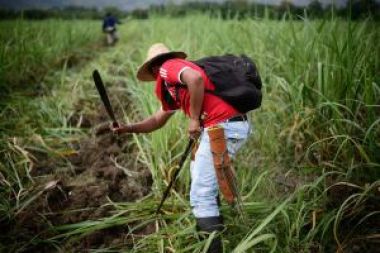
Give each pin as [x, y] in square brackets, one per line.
[234, 144]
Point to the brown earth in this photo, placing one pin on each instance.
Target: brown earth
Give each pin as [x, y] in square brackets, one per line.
[75, 187]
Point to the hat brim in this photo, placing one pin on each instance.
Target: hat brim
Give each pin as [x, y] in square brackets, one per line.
[144, 73]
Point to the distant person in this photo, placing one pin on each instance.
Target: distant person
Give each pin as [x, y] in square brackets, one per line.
[109, 27]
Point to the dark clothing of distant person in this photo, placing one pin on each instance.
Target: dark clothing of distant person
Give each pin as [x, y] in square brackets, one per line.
[110, 22]
[109, 27]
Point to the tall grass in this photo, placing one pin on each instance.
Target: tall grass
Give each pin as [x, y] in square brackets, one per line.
[321, 86]
[35, 101]
[320, 108]
[29, 49]
[319, 122]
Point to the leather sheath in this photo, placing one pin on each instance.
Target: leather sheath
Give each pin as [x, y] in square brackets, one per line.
[222, 163]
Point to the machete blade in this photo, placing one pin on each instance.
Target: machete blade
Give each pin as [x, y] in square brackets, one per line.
[103, 95]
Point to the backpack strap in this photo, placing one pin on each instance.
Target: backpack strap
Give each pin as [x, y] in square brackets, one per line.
[166, 96]
[176, 86]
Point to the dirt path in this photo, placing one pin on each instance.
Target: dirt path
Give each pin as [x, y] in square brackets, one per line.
[79, 178]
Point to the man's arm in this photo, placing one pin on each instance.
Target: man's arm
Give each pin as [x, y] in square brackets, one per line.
[154, 122]
[194, 81]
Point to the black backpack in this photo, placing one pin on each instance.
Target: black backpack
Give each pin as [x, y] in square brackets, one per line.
[236, 80]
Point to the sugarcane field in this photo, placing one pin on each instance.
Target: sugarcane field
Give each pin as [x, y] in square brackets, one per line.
[190, 126]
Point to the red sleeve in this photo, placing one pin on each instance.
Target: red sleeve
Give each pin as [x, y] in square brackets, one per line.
[171, 70]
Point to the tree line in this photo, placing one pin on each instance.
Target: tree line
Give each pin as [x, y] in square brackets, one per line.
[355, 9]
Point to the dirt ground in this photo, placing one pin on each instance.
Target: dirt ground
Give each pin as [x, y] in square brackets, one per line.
[78, 185]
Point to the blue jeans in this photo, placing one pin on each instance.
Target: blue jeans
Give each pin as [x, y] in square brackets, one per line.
[204, 185]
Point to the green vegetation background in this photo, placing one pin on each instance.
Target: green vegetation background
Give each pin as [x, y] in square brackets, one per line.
[318, 127]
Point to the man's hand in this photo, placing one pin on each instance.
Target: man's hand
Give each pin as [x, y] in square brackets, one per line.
[120, 129]
[112, 128]
[194, 128]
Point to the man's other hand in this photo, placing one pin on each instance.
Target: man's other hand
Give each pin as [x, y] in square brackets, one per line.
[194, 128]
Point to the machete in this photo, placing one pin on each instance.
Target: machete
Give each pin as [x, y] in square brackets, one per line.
[103, 95]
[178, 168]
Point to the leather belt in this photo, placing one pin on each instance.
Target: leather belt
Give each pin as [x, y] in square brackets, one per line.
[238, 118]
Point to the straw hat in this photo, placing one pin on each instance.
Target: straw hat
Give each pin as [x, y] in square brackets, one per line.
[156, 51]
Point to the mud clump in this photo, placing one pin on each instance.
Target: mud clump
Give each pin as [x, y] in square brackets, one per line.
[99, 169]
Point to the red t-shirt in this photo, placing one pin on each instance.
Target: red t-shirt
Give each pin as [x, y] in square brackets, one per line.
[214, 109]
